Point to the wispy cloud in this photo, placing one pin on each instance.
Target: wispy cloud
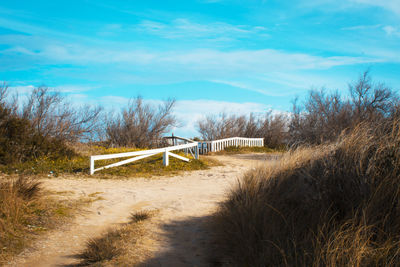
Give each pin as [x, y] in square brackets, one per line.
[185, 28]
[205, 59]
[391, 31]
[74, 88]
[389, 5]
[21, 89]
[392, 6]
[362, 27]
[158, 46]
[190, 111]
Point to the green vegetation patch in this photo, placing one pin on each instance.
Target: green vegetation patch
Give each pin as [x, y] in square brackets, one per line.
[78, 164]
[153, 166]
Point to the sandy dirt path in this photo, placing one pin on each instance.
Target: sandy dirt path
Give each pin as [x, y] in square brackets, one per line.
[178, 232]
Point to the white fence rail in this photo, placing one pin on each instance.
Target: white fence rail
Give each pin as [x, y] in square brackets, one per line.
[219, 145]
[195, 148]
[137, 155]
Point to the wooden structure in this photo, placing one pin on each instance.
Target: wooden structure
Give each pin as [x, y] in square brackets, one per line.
[177, 144]
[137, 155]
[219, 145]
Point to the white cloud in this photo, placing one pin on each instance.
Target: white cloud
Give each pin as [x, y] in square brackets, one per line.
[391, 31]
[25, 89]
[21, 89]
[114, 100]
[73, 88]
[334, 5]
[362, 27]
[244, 85]
[258, 61]
[390, 5]
[246, 69]
[185, 28]
[216, 61]
[190, 111]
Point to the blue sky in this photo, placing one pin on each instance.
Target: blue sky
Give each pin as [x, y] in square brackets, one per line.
[211, 55]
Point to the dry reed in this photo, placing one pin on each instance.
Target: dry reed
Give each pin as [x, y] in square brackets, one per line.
[331, 205]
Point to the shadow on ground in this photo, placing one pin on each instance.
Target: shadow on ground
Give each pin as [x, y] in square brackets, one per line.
[190, 244]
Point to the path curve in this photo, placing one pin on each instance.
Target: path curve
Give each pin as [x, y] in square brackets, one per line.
[179, 234]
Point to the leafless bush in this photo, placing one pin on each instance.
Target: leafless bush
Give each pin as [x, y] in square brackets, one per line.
[3, 92]
[371, 101]
[5, 102]
[323, 117]
[42, 126]
[222, 126]
[140, 124]
[52, 116]
[271, 127]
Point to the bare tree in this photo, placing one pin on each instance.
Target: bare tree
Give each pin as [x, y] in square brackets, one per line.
[3, 92]
[271, 127]
[140, 124]
[323, 117]
[223, 126]
[52, 116]
[371, 100]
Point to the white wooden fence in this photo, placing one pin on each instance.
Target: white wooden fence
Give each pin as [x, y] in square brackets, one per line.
[219, 145]
[201, 147]
[137, 155]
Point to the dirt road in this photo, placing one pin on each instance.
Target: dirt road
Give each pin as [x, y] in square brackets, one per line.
[178, 231]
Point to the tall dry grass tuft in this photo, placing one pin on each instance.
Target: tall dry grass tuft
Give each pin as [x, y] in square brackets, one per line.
[329, 205]
[26, 210]
[17, 200]
[101, 249]
[120, 246]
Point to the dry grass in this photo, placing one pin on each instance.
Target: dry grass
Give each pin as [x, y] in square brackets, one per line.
[79, 164]
[332, 205]
[140, 216]
[153, 166]
[25, 212]
[117, 247]
[232, 150]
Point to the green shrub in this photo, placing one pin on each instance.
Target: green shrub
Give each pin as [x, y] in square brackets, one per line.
[19, 142]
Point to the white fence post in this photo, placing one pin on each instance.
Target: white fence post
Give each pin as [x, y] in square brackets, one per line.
[207, 146]
[222, 144]
[91, 165]
[166, 158]
[138, 155]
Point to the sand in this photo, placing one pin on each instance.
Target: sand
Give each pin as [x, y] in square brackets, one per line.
[178, 235]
